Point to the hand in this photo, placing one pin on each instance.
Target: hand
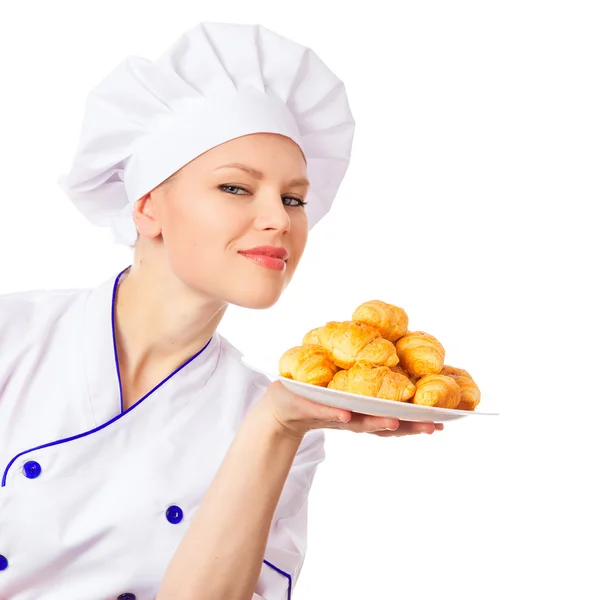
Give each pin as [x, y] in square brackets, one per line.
[297, 415]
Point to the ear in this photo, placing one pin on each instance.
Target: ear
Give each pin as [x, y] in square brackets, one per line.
[146, 215]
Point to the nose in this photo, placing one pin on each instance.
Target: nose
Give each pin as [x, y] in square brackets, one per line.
[272, 214]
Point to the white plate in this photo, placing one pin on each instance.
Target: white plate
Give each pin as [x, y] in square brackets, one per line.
[377, 407]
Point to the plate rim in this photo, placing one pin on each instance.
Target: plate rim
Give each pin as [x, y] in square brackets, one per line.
[384, 401]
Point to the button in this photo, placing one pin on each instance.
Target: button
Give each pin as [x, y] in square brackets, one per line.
[174, 514]
[32, 469]
[126, 596]
[3, 563]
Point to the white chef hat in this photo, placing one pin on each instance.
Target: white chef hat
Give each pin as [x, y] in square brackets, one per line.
[218, 81]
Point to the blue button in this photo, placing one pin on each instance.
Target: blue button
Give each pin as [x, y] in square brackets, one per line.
[126, 596]
[32, 469]
[174, 514]
[3, 563]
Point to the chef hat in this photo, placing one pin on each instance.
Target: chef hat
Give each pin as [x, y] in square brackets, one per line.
[218, 81]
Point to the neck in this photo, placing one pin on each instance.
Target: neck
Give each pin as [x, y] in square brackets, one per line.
[159, 323]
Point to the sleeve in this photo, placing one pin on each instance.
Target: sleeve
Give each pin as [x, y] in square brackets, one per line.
[287, 542]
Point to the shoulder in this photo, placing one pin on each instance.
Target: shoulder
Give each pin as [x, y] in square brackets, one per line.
[256, 384]
[34, 311]
[33, 304]
[237, 367]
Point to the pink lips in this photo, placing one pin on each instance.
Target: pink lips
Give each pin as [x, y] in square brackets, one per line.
[271, 257]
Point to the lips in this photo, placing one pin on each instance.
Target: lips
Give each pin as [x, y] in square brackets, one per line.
[270, 251]
[269, 257]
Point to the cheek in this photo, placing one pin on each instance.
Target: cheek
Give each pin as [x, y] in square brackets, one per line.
[298, 236]
[197, 233]
[200, 221]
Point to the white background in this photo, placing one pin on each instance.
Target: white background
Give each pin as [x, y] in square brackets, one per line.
[468, 202]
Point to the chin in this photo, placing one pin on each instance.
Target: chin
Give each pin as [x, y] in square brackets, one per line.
[256, 297]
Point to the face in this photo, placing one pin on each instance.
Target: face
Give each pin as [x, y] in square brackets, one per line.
[207, 218]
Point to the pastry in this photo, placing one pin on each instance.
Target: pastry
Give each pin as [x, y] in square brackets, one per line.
[399, 369]
[375, 381]
[470, 395]
[390, 320]
[437, 390]
[375, 355]
[420, 353]
[309, 364]
[312, 337]
[347, 342]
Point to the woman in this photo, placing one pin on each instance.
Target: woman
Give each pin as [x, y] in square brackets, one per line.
[140, 458]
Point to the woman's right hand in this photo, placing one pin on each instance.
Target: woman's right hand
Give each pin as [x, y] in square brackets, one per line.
[296, 415]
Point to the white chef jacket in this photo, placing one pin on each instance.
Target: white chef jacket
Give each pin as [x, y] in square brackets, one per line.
[94, 500]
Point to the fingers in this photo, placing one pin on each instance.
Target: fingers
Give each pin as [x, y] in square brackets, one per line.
[387, 427]
[360, 423]
[409, 428]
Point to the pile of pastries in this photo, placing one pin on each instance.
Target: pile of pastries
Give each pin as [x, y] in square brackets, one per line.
[374, 354]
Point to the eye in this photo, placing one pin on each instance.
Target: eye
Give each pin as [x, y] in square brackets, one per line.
[227, 188]
[231, 189]
[299, 201]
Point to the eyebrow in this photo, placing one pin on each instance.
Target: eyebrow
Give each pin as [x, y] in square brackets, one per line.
[302, 181]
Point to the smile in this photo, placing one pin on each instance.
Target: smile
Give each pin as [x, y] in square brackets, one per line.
[269, 262]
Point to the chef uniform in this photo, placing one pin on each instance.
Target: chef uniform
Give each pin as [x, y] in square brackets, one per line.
[94, 499]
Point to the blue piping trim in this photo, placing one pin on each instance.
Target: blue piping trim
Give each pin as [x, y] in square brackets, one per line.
[283, 573]
[80, 435]
[114, 337]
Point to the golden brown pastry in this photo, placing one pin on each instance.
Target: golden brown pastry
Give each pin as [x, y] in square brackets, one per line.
[437, 390]
[454, 372]
[470, 393]
[376, 355]
[390, 320]
[420, 353]
[309, 364]
[399, 369]
[312, 337]
[378, 382]
[339, 381]
[347, 342]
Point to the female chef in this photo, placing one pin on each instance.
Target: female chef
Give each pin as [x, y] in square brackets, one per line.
[139, 457]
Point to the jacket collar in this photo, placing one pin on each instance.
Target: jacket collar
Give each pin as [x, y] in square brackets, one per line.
[101, 365]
